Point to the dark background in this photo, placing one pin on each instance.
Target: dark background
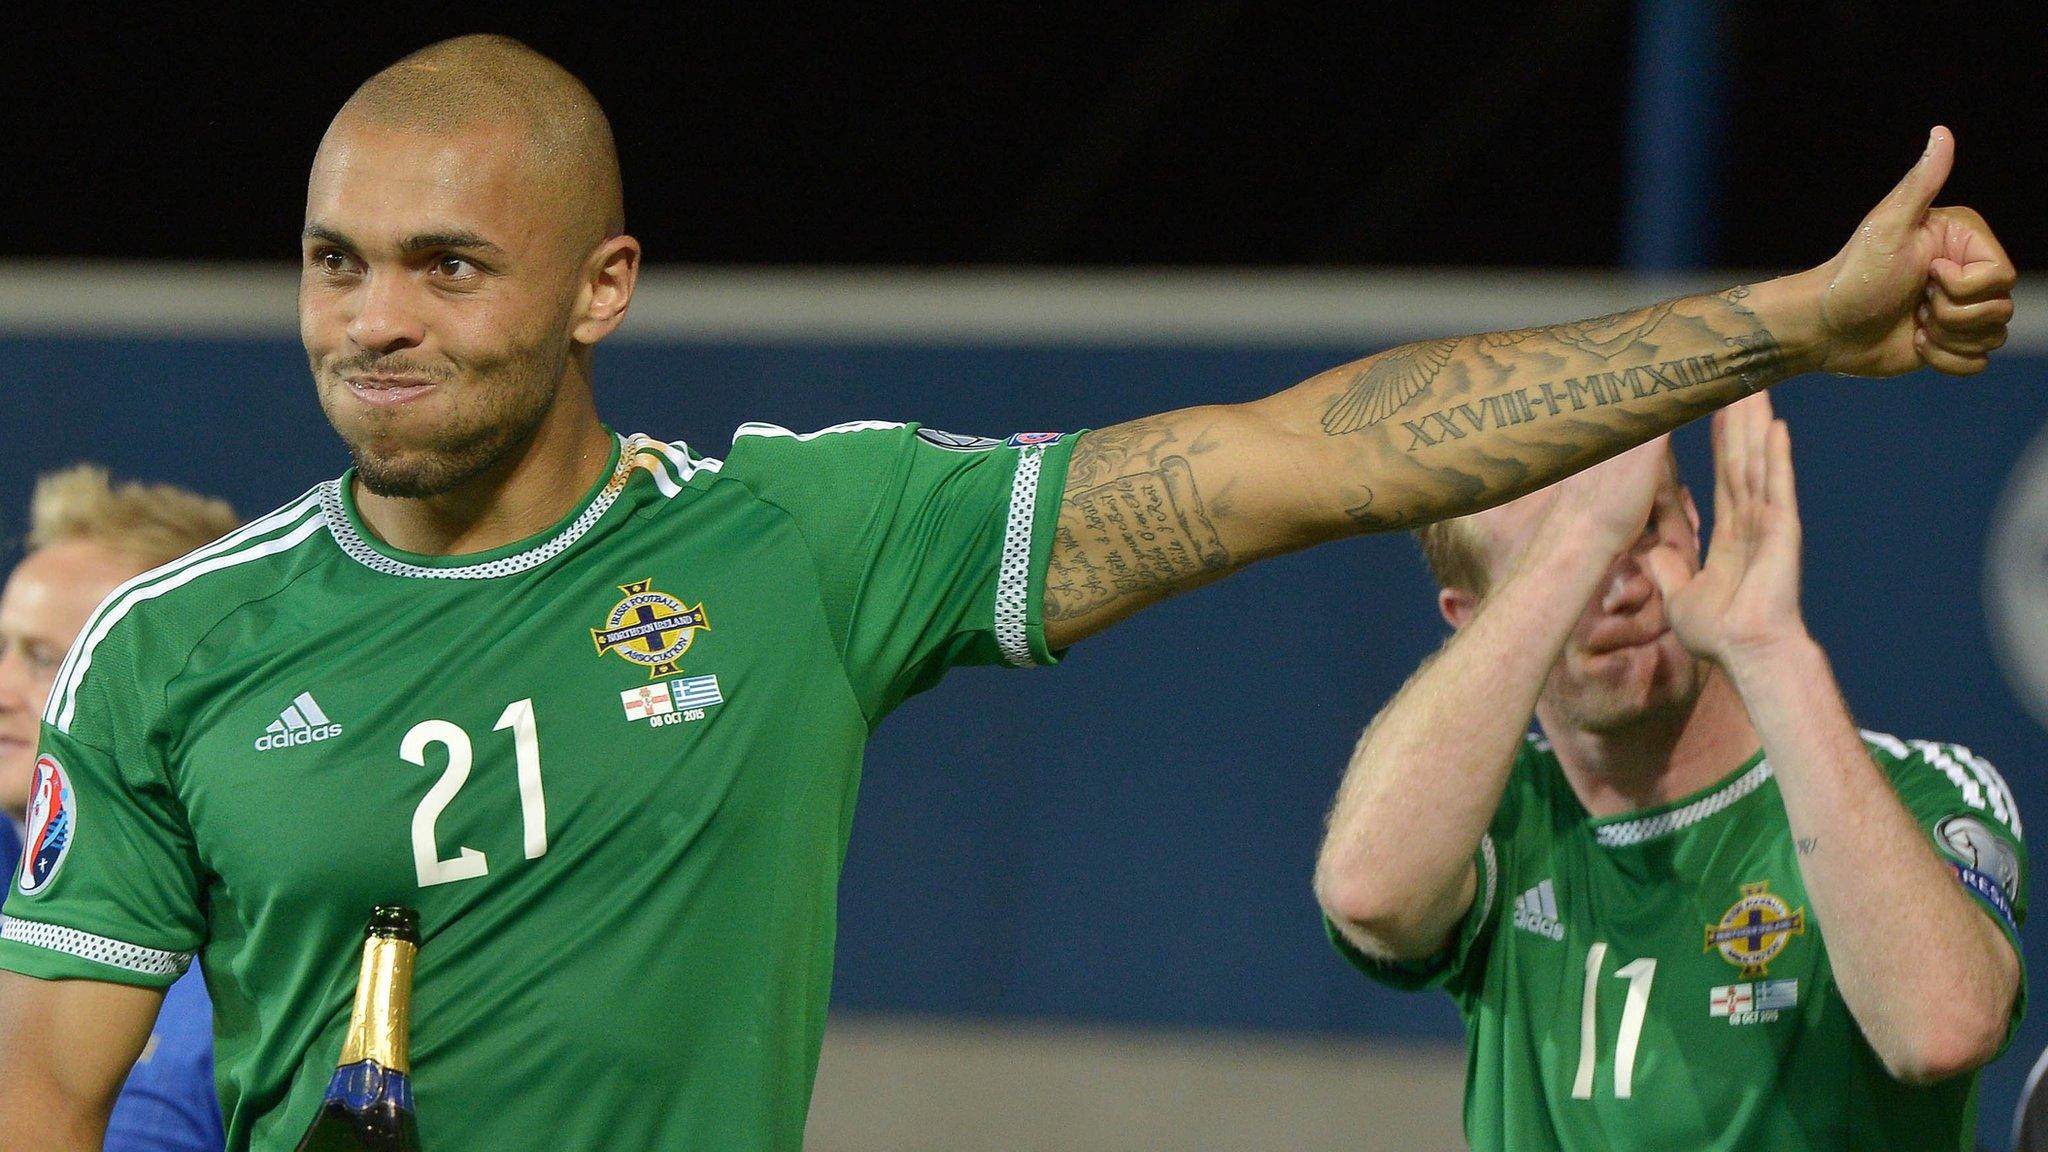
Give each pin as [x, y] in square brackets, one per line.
[1194, 132]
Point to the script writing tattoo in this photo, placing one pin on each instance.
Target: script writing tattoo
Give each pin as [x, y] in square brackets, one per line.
[1137, 535]
[1807, 845]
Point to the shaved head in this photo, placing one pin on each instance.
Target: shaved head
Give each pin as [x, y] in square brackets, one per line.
[484, 81]
[464, 248]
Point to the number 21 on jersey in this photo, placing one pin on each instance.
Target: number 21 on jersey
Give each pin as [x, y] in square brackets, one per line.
[1639, 974]
[468, 863]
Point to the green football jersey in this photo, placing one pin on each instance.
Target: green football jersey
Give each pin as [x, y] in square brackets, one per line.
[613, 766]
[1657, 980]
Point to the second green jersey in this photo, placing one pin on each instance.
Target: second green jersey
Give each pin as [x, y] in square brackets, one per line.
[613, 766]
[1657, 980]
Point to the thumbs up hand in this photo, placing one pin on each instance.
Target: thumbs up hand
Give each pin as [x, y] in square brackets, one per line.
[1916, 285]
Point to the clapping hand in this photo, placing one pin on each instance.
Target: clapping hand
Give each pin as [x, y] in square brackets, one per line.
[1743, 603]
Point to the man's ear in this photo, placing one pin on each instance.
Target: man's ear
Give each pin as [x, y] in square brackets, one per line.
[609, 276]
[1457, 605]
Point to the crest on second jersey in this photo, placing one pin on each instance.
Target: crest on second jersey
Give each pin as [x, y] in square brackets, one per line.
[650, 628]
[1755, 929]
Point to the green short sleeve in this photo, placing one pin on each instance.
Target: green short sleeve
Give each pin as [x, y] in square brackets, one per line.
[931, 547]
[1970, 816]
[106, 887]
[1452, 966]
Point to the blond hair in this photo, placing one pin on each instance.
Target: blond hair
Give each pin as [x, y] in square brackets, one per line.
[1451, 550]
[151, 524]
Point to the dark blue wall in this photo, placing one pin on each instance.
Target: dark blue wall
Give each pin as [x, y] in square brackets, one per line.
[1129, 838]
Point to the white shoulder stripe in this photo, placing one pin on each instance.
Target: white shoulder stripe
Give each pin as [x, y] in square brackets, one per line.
[1974, 778]
[1994, 782]
[184, 576]
[98, 949]
[1981, 785]
[755, 428]
[1490, 858]
[657, 469]
[255, 527]
[240, 536]
[1888, 742]
[681, 463]
[687, 463]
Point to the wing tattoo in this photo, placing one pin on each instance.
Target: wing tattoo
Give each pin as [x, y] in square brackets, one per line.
[1388, 383]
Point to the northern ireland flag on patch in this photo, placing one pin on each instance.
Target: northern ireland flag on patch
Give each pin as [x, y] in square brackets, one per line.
[647, 701]
[1731, 1000]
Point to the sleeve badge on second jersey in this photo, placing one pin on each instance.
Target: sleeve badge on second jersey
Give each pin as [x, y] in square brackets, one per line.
[52, 824]
[1983, 863]
[1034, 439]
[1969, 840]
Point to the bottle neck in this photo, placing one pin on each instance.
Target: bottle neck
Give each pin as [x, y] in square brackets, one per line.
[382, 1019]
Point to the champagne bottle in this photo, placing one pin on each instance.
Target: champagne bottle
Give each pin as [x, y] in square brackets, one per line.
[368, 1107]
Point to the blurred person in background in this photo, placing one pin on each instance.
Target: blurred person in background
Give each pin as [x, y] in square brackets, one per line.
[1697, 908]
[596, 704]
[86, 537]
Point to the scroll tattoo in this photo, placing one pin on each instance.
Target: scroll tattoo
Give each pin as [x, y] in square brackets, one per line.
[1136, 535]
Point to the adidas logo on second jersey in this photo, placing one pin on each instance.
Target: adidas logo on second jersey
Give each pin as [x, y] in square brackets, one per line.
[302, 722]
[1536, 911]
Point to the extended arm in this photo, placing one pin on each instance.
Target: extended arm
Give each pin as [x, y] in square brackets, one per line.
[1442, 428]
[1395, 873]
[1928, 975]
[66, 1047]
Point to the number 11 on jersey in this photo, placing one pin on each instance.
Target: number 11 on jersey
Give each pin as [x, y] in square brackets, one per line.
[1638, 973]
[468, 863]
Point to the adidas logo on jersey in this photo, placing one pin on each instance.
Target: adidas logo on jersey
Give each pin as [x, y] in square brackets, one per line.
[1536, 911]
[302, 722]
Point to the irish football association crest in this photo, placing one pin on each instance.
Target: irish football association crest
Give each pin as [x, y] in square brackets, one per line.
[650, 628]
[1755, 929]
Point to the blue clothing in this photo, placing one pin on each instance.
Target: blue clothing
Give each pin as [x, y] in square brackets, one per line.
[10, 848]
[168, 1104]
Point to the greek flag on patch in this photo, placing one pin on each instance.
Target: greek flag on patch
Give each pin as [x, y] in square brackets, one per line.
[1776, 994]
[697, 691]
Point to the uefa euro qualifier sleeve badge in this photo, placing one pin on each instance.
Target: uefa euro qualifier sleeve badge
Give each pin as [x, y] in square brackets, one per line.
[650, 628]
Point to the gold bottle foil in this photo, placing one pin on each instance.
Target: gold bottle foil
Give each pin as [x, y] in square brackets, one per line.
[378, 1028]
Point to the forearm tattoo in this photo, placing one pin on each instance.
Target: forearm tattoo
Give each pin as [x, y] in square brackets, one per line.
[1535, 375]
[1129, 533]
[1385, 384]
